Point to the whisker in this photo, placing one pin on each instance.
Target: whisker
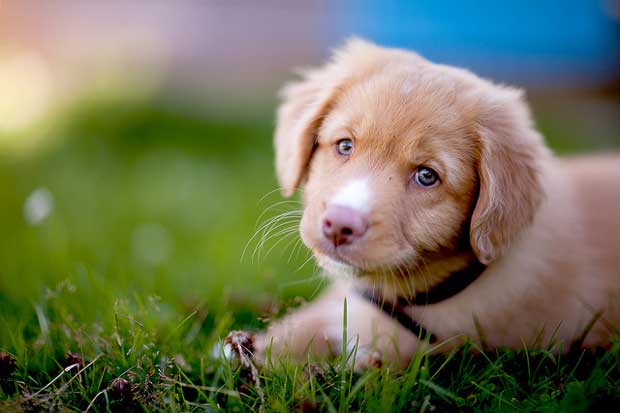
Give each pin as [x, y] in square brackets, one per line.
[269, 193]
[294, 241]
[284, 234]
[264, 232]
[304, 263]
[269, 208]
[423, 274]
[382, 283]
[297, 247]
[276, 190]
[317, 272]
[407, 286]
[302, 281]
[272, 221]
[290, 226]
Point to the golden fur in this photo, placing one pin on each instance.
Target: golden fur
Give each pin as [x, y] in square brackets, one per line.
[547, 228]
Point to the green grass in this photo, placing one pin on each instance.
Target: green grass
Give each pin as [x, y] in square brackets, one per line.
[137, 273]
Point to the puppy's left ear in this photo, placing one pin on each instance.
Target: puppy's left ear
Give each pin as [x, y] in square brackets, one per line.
[510, 155]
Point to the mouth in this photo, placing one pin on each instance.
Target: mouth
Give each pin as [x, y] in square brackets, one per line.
[340, 254]
[346, 259]
[336, 266]
[341, 260]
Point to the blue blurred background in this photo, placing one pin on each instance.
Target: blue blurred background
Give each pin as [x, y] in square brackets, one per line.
[542, 44]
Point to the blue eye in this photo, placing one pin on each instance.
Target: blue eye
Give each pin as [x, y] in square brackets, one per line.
[345, 147]
[426, 177]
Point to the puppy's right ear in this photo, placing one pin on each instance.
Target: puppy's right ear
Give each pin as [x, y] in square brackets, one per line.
[304, 105]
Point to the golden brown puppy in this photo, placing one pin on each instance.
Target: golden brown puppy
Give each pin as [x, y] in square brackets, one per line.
[423, 178]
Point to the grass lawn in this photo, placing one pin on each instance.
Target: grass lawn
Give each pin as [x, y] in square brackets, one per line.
[121, 267]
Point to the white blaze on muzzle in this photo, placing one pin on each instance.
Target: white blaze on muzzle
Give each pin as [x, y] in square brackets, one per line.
[355, 194]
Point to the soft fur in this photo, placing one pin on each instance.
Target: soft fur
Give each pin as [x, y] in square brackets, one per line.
[547, 228]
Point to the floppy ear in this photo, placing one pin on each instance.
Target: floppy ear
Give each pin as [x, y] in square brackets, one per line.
[304, 105]
[509, 174]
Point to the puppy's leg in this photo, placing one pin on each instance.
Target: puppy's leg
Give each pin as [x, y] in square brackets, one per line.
[316, 330]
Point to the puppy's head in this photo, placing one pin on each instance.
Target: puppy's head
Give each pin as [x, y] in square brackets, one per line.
[406, 163]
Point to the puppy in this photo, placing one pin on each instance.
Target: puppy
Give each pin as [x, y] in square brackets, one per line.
[435, 206]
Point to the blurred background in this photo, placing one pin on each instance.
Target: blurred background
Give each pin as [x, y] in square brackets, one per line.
[135, 136]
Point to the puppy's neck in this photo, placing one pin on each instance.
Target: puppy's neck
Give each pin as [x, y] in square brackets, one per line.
[404, 284]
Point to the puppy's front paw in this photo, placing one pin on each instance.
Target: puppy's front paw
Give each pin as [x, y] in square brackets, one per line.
[367, 359]
[239, 346]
